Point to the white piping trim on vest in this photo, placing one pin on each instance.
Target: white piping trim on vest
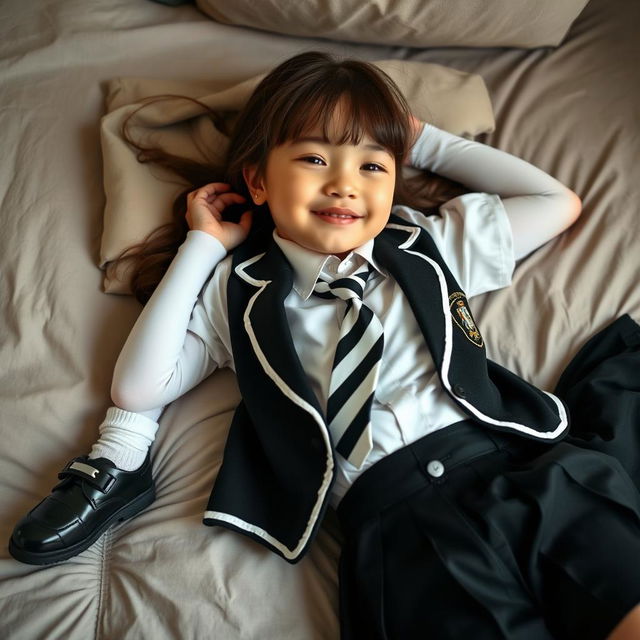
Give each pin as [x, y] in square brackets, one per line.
[413, 232]
[448, 344]
[296, 399]
[240, 270]
[247, 526]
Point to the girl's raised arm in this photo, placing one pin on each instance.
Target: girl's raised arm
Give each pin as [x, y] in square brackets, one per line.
[539, 207]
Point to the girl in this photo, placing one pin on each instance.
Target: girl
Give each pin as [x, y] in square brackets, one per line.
[364, 379]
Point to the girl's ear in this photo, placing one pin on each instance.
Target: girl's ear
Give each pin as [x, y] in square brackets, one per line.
[254, 185]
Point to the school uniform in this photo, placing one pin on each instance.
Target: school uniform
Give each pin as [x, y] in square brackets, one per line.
[484, 527]
[276, 389]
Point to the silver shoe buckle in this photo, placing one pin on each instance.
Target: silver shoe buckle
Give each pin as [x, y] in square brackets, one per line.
[85, 468]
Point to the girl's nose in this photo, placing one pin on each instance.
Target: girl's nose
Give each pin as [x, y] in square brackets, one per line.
[341, 186]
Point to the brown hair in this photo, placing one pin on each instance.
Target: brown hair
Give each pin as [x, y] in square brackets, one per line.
[296, 96]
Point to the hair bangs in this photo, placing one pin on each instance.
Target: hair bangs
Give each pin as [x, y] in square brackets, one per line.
[369, 107]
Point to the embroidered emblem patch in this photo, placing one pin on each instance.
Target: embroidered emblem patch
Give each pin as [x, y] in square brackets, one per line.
[463, 318]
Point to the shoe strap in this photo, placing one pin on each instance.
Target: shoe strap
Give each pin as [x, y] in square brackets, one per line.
[98, 478]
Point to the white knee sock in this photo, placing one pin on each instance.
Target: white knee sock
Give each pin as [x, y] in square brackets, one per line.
[125, 437]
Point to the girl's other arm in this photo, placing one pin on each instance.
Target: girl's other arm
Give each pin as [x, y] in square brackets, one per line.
[161, 358]
[539, 207]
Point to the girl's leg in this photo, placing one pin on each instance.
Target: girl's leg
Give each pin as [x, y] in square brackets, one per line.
[629, 626]
[95, 492]
[125, 437]
[585, 567]
[419, 562]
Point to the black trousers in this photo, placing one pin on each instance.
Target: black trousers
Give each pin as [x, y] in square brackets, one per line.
[601, 387]
[472, 533]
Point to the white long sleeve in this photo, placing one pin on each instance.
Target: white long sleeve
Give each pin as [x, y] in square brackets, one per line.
[539, 207]
[161, 358]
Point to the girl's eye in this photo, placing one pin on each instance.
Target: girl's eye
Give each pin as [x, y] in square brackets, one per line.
[311, 158]
[371, 166]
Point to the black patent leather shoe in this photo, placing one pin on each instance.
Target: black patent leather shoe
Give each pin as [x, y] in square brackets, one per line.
[92, 495]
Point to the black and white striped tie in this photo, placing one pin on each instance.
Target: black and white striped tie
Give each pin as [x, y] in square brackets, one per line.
[355, 368]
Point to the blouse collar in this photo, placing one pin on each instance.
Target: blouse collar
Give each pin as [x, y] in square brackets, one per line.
[308, 265]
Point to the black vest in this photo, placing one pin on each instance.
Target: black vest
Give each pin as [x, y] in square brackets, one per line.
[278, 464]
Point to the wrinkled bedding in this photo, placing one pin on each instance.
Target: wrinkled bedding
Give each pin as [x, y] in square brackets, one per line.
[572, 110]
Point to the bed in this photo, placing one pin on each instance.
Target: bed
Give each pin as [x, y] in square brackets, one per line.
[571, 108]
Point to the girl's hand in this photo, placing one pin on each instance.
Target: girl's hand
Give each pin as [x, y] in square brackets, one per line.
[204, 213]
[416, 130]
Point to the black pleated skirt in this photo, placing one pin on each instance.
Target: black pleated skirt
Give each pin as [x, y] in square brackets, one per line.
[469, 533]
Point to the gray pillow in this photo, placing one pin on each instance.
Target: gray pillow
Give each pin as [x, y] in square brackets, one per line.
[412, 23]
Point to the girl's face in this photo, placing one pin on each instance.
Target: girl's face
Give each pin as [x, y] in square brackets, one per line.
[326, 197]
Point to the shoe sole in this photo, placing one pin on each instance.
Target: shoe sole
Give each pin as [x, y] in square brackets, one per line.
[124, 513]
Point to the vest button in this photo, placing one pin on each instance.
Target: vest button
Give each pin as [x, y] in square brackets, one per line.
[458, 390]
[435, 468]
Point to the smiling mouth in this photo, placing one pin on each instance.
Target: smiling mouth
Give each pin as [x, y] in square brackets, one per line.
[336, 215]
[340, 215]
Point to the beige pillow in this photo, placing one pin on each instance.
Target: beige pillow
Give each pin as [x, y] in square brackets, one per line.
[411, 23]
[139, 196]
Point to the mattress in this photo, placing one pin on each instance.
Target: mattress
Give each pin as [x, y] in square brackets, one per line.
[571, 110]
